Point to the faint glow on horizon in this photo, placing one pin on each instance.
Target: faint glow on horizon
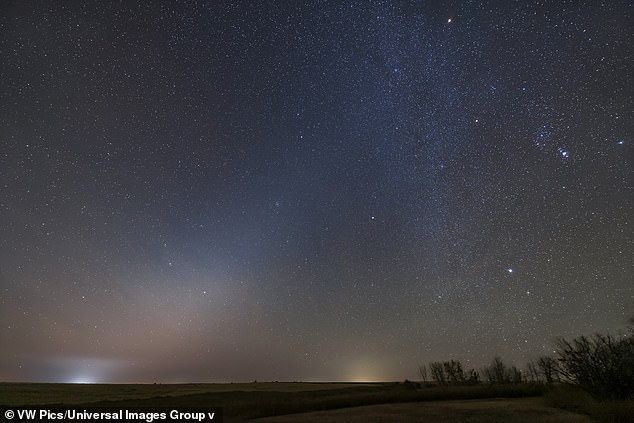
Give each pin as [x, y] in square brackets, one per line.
[85, 380]
[364, 371]
[82, 370]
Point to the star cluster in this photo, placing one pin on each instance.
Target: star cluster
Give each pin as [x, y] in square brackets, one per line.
[229, 191]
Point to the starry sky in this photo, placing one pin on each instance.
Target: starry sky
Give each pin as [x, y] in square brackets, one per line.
[309, 190]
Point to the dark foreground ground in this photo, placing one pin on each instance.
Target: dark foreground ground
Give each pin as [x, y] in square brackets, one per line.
[338, 402]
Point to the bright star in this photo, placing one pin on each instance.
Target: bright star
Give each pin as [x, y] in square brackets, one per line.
[563, 153]
[510, 270]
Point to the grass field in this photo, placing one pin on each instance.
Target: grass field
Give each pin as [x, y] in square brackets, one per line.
[323, 402]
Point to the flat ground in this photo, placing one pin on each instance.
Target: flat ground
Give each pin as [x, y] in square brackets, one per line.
[73, 393]
[313, 402]
[516, 410]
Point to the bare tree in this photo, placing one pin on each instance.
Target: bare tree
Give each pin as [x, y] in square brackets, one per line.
[549, 368]
[450, 372]
[473, 377]
[438, 372]
[532, 372]
[515, 375]
[497, 372]
[423, 372]
[455, 373]
[602, 364]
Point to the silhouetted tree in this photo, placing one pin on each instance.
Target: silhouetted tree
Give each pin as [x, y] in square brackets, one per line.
[473, 377]
[454, 372]
[497, 372]
[437, 371]
[602, 364]
[423, 372]
[548, 368]
[532, 373]
[515, 375]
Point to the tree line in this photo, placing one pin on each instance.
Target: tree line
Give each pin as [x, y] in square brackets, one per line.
[601, 364]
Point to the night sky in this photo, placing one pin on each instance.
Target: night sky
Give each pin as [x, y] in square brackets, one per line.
[310, 190]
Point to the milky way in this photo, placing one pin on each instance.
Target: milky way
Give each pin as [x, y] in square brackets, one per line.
[309, 190]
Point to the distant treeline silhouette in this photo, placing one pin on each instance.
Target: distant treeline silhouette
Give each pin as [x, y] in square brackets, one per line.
[603, 365]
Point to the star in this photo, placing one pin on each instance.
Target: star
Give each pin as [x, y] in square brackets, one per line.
[221, 165]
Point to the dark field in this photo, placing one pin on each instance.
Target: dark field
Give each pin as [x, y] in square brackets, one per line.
[349, 402]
